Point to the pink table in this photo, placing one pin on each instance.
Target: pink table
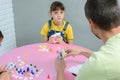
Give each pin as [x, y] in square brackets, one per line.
[40, 59]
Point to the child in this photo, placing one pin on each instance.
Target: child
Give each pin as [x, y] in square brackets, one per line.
[1, 37]
[4, 74]
[57, 24]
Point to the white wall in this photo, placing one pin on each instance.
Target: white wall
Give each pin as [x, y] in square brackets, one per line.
[30, 16]
[7, 26]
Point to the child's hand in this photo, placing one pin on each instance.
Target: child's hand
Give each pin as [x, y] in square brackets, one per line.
[51, 40]
[60, 64]
[2, 68]
[5, 75]
[59, 39]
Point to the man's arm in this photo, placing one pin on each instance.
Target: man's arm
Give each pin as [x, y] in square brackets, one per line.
[78, 51]
[86, 53]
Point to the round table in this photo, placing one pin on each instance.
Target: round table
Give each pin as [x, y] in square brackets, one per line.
[36, 61]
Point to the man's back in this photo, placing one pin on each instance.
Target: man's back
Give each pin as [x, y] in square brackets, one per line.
[104, 64]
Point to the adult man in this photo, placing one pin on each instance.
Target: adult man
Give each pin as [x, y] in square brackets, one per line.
[104, 19]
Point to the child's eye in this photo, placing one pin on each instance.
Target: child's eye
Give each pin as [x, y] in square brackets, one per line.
[55, 12]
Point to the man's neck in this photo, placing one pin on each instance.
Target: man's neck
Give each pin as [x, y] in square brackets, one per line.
[108, 34]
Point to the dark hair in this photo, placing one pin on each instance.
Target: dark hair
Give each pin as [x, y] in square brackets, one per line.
[105, 13]
[56, 6]
[1, 35]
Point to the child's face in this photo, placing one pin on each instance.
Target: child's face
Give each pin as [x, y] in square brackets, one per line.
[57, 15]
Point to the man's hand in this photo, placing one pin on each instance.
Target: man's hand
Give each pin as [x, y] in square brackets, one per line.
[72, 51]
[78, 51]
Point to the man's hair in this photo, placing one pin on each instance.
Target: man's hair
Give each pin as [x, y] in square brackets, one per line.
[1, 35]
[105, 13]
[56, 6]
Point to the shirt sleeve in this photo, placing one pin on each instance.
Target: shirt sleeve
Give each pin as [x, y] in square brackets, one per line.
[44, 30]
[69, 32]
[93, 69]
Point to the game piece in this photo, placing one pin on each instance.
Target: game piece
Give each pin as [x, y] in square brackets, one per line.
[24, 71]
[48, 77]
[43, 48]
[10, 66]
[36, 70]
[28, 69]
[61, 53]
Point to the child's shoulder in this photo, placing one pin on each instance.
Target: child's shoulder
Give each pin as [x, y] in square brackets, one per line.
[67, 23]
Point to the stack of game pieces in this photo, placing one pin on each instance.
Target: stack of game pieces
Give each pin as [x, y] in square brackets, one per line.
[61, 53]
